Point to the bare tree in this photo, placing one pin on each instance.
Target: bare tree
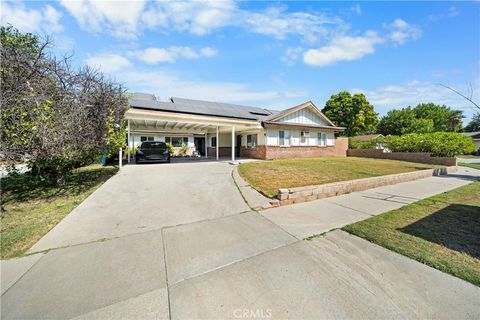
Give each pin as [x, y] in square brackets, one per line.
[468, 96]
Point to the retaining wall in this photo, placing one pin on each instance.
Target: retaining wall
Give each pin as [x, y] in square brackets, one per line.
[421, 157]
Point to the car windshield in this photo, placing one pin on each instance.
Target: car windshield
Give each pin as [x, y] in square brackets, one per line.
[153, 145]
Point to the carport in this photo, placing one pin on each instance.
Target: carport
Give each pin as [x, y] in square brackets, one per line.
[219, 134]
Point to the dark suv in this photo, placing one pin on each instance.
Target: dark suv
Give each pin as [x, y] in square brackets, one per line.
[152, 151]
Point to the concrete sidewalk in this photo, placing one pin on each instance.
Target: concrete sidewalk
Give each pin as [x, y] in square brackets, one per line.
[319, 216]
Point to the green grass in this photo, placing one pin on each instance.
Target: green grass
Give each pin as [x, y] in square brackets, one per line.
[269, 176]
[30, 208]
[470, 165]
[442, 231]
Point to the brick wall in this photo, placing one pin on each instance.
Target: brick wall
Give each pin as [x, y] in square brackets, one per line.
[421, 157]
[222, 151]
[276, 152]
[255, 153]
[309, 193]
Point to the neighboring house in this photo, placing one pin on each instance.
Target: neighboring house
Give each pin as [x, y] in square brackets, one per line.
[370, 137]
[475, 137]
[219, 129]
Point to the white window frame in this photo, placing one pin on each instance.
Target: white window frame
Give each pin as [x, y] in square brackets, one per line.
[322, 139]
[304, 134]
[147, 138]
[183, 138]
[253, 144]
[286, 138]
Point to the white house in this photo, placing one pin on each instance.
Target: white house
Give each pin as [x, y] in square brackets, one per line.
[214, 129]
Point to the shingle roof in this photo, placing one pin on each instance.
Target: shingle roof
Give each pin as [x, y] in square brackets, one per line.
[219, 109]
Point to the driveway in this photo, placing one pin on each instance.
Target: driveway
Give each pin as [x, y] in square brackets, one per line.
[148, 197]
[178, 241]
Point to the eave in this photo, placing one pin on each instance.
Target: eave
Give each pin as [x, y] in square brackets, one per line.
[267, 124]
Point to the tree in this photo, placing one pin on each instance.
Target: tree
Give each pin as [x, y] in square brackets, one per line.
[403, 121]
[444, 118]
[354, 113]
[474, 124]
[54, 117]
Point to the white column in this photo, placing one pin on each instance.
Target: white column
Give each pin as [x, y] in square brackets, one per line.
[216, 144]
[128, 141]
[206, 146]
[133, 145]
[120, 156]
[233, 144]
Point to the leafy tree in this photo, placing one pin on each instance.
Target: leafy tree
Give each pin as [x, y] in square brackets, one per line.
[354, 113]
[404, 121]
[444, 118]
[474, 124]
[54, 117]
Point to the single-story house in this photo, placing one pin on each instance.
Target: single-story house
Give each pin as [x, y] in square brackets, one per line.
[475, 137]
[214, 129]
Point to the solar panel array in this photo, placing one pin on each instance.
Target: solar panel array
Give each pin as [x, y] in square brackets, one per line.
[190, 106]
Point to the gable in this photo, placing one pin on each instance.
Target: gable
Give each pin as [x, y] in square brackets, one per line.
[304, 116]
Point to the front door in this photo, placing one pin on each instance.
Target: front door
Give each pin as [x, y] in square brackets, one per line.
[199, 145]
[239, 144]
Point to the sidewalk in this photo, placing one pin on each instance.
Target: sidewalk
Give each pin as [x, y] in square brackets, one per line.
[310, 218]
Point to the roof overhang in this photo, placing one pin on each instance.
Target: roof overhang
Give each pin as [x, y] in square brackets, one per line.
[271, 124]
[142, 114]
[308, 104]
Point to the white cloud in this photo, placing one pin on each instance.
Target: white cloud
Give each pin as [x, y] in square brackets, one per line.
[401, 31]
[171, 54]
[343, 48]
[46, 19]
[108, 62]
[119, 18]
[450, 13]
[414, 92]
[197, 17]
[356, 9]
[291, 56]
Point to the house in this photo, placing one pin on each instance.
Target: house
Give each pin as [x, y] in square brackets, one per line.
[214, 129]
[370, 137]
[475, 137]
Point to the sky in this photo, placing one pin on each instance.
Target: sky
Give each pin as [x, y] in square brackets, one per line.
[270, 54]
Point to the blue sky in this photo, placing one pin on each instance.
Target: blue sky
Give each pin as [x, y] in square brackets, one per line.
[270, 54]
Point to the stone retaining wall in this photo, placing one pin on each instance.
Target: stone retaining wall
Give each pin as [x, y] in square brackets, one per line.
[421, 157]
[309, 193]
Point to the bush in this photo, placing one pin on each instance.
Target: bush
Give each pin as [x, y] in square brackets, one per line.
[439, 144]
[183, 150]
[355, 144]
[170, 149]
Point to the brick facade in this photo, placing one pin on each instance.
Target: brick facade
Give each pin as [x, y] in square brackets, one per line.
[222, 151]
[255, 153]
[421, 157]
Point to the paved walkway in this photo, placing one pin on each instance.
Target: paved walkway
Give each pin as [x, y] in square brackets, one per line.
[210, 259]
[316, 217]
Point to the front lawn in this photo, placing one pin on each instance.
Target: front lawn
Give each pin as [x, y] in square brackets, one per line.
[442, 231]
[269, 176]
[470, 165]
[30, 209]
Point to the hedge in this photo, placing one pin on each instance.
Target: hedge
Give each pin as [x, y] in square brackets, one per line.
[439, 144]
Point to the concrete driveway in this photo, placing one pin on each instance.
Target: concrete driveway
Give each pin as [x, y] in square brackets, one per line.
[178, 241]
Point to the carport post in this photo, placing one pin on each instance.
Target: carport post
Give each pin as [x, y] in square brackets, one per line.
[128, 141]
[233, 144]
[206, 146]
[216, 143]
[120, 156]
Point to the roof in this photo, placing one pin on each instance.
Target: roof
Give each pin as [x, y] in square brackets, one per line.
[474, 135]
[182, 105]
[367, 137]
[301, 125]
[288, 111]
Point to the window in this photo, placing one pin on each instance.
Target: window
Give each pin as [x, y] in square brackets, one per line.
[213, 142]
[177, 141]
[322, 139]
[284, 138]
[143, 138]
[304, 135]
[251, 141]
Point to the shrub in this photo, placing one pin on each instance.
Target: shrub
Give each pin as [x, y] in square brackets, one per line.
[355, 144]
[183, 150]
[170, 149]
[439, 144]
